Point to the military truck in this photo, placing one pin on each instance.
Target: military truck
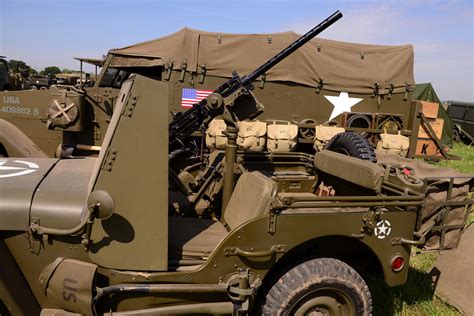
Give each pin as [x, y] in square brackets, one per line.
[5, 83]
[10, 80]
[462, 114]
[39, 82]
[264, 231]
[313, 86]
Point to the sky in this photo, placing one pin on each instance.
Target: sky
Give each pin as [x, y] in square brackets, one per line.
[51, 32]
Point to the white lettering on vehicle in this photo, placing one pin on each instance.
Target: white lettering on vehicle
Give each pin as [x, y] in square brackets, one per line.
[11, 99]
[17, 168]
[20, 110]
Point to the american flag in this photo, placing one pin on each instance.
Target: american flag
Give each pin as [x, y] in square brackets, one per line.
[191, 96]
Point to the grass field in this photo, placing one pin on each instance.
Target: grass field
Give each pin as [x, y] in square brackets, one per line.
[416, 297]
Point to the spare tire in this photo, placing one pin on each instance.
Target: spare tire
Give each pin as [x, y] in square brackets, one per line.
[352, 144]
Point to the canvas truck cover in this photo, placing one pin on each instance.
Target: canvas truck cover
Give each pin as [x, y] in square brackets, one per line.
[342, 66]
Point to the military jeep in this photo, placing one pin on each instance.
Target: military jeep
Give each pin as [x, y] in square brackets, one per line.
[252, 228]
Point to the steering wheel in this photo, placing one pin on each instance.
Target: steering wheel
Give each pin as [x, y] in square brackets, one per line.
[308, 132]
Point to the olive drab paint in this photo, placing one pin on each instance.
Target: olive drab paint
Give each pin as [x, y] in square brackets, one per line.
[138, 216]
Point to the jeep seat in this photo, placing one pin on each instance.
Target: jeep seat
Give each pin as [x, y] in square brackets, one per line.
[192, 240]
[356, 171]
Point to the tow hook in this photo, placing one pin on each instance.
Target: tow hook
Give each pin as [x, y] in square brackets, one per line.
[403, 241]
[242, 292]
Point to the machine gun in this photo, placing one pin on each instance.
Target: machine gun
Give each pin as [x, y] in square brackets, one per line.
[234, 99]
[235, 102]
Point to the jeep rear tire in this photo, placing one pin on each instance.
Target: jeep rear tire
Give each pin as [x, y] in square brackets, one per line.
[323, 286]
[352, 144]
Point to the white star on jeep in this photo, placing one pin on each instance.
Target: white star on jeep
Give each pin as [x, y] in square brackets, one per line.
[2, 167]
[30, 167]
[341, 103]
[382, 229]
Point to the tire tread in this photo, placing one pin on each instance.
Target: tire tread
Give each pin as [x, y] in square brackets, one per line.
[355, 144]
[309, 272]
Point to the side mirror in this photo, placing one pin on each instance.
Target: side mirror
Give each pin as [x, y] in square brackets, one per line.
[102, 203]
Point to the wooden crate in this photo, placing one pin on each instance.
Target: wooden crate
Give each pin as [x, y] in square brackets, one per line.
[429, 109]
[436, 125]
[426, 147]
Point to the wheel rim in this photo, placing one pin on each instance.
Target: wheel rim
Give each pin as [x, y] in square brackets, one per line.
[322, 302]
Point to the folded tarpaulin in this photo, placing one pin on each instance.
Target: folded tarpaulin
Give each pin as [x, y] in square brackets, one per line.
[453, 274]
[436, 194]
[340, 66]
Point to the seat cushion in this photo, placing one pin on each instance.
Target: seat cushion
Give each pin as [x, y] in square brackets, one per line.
[250, 199]
[193, 238]
[363, 173]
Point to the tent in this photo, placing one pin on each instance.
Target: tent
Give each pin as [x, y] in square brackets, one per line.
[426, 92]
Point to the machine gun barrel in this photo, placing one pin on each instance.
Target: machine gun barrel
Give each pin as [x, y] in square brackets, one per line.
[291, 48]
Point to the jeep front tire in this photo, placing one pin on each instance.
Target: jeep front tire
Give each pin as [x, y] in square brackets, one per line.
[323, 286]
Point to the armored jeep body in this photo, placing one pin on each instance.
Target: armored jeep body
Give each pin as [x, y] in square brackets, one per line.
[264, 229]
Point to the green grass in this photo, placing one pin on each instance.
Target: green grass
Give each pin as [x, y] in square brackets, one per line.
[416, 296]
[464, 165]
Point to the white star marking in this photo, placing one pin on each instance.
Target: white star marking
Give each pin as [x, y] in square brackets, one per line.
[31, 167]
[342, 103]
[383, 229]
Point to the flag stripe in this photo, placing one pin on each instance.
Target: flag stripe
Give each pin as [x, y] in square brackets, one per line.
[191, 96]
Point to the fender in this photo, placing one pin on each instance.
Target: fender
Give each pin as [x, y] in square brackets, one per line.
[19, 179]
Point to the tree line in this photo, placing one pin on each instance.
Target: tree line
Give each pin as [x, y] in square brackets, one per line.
[19, 66]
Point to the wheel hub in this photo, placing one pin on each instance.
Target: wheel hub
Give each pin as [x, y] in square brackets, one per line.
[323, 303]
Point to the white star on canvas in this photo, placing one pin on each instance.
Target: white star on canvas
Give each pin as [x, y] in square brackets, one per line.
[342, 103]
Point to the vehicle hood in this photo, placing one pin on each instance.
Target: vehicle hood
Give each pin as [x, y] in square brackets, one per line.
[19, 178]
[50, 192]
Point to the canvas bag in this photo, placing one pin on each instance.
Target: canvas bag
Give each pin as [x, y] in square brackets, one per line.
[281, 137]
[323, 134]
[393, 144]
[214, 137]
[251, 135]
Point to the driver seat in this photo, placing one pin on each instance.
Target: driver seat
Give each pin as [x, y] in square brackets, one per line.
[192, 240]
